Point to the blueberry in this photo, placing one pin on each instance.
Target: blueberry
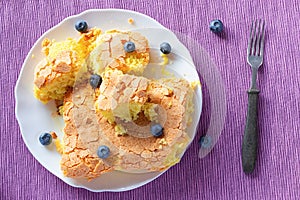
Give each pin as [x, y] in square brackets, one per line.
[103, 152]
[165, 48]
[45, 138]
[81, 26]
[129, 47]
[205, 141]
[216, 26]
[156, 130]
[95, 81]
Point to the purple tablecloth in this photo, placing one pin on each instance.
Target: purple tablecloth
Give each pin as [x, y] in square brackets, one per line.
[217, 176]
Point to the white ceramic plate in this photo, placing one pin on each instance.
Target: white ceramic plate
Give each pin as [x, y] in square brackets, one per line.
[35, 117]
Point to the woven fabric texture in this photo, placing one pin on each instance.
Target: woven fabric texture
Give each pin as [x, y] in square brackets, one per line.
[217, 176]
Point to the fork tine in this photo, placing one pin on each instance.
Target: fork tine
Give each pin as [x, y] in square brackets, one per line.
[255, 36]
[259, 36]
[250, 39]
[261, 49]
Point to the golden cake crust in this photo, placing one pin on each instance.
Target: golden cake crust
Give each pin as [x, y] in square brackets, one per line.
[57, 71]
[84, 134]
[77, 160]
[109, 52]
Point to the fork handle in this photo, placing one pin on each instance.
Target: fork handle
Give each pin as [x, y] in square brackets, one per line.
[250, 139]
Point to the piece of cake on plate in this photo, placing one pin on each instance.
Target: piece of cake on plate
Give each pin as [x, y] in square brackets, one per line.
[123, 50]
[63, 59]
[135, 105]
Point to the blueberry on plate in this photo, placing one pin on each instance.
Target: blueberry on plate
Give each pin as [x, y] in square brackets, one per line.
[103, 151]
[165, 48]
[81, 26]
[205, 141]
[216, 26]
[129, 47]
[45, 138]
[156, 130]
[95, 81]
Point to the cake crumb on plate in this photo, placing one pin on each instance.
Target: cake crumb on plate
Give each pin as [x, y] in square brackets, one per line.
[130, 20]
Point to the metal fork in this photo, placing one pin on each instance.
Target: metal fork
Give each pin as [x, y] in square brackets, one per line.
[255, 52]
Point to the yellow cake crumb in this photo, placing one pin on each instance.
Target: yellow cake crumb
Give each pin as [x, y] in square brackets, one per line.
[130, 20]
[149, 111]
[170, 104]
[165, 59]
[189, 108]
[163, 141]
[173, 158]
[59, 146]
[135, 109]
[194, 84]
[120, 130]
[107, 115]
[135, 62]
[163, 64]
[61, 110]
